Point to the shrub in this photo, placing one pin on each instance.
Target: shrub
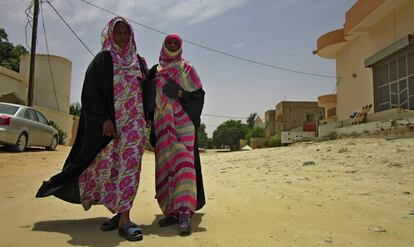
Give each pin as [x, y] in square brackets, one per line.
[274, 142]
[61, 133]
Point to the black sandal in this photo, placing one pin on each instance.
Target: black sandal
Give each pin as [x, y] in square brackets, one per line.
[111, 224]
[131, 232]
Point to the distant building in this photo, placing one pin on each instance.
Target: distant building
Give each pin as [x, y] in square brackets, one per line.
[295, 114]
[374, 53]
[328, 102]
[258, 122]
[291, 115]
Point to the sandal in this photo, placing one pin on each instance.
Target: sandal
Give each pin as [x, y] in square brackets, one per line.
[168, 221]
[131, 232]
[111, 224]
[185, 223]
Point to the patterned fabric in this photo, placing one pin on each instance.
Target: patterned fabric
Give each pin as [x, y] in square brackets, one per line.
[113, 176]
[175, 134]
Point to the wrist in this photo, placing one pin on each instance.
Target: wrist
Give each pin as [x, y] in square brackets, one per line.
[180, 93]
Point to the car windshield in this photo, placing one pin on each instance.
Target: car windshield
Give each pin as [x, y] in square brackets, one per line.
[8, 109]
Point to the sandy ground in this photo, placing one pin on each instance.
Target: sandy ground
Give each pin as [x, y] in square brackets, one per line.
[349, 192]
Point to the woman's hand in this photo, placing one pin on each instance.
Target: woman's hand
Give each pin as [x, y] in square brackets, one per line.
[172, 90]
[108, 129]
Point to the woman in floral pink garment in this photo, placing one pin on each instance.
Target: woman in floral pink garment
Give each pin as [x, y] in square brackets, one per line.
[104, 163]
[113, 176]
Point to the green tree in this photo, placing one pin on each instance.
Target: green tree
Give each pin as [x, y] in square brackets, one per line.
[10, 54]
[254, 132]
[75, 109]
[202, 136]
[229, 133]
[250, 119]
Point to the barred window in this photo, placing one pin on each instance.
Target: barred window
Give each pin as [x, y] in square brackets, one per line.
[394, 81]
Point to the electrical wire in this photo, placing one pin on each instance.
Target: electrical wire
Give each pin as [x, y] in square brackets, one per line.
[215, 50]
[50, 4]
[29, 17]
[222, 116]
[48, 58]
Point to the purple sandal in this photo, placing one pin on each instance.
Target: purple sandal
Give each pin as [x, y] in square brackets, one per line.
[184, 220]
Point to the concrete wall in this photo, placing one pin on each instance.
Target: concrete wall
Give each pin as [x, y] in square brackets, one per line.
[44, 88]
[11, 81]
[258, 142]
[355, 91]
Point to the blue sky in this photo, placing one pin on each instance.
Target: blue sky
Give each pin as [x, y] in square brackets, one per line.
[277, 32]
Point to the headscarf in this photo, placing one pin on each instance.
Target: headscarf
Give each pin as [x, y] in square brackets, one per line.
[167, 56]
[123, 58]
[173, 66]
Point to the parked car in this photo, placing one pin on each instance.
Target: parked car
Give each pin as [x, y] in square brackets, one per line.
[22, 126]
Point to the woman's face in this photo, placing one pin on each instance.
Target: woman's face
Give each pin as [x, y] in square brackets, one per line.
[121, 34]
[172, 45]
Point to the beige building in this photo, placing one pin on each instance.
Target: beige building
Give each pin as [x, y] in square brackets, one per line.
[291, 115]
[295, 114]
[374, 53]
[51, 88]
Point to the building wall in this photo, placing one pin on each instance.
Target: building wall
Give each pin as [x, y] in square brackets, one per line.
[44, 89]
[290, 115]
[11, 81]
[355, 92]
[270, 123]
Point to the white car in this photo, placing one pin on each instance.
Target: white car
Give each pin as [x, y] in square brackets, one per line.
[22, 126]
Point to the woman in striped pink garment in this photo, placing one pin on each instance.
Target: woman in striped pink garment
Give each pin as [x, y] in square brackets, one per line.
[175, 135]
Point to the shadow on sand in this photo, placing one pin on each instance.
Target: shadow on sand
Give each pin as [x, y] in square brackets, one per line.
[171, 231]
[84, 232]
[5, 149]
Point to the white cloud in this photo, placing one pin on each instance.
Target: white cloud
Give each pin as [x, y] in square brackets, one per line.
[163, 12]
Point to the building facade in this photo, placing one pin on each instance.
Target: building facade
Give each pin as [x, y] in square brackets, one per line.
[374, 53]
[290, 115]
[295, 114]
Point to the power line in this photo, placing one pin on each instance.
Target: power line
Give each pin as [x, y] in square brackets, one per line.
[47, 47]
[48, 2]
[48, 58]
[29, 17]
[215, 50]
[222, 116]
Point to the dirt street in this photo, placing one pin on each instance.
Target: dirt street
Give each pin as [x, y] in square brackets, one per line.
[349, 192]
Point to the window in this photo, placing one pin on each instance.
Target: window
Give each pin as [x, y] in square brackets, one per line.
[8, 109]
[394, 81]
[30, 114]
[41, 118]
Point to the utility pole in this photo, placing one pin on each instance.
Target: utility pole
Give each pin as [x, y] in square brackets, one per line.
[33, 54]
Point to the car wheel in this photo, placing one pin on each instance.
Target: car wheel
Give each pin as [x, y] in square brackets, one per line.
[53, 144]
[21, 143]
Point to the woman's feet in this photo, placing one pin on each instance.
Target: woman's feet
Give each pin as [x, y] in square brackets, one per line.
[130, 231]
[184, 220]
[111, 224]
[127, 229]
